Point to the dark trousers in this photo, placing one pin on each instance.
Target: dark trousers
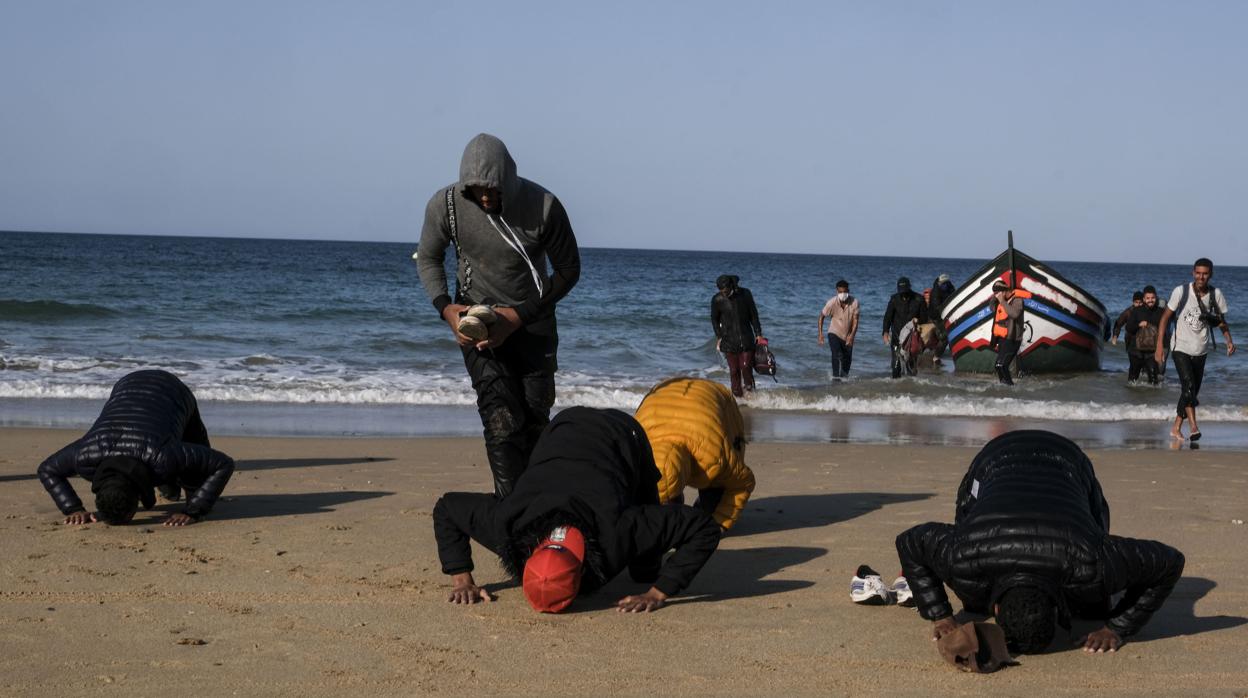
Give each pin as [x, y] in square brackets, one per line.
[842, 355]
[740, 370]
[1007, 350]
[1141, 361]
[515, 386]
[1191, 370]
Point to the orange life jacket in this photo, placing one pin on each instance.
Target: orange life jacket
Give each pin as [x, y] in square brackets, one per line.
[1001, 322]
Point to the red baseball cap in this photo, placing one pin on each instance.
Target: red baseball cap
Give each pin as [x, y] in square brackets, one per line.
[552, 574]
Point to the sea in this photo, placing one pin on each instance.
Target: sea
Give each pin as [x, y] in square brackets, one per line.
[296, 337]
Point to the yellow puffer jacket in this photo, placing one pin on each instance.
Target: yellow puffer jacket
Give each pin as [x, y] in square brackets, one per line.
[698, 438]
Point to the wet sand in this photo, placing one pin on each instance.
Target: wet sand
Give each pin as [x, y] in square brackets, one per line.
[317, 575]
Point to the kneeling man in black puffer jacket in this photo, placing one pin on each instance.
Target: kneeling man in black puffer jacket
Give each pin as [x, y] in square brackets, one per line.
[1030, 545]
[586, 507]
[148, 435]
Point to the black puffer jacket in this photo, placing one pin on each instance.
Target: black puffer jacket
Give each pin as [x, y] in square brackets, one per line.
[151, 416]
[592, 469]
[1030, 512]
[735, 320]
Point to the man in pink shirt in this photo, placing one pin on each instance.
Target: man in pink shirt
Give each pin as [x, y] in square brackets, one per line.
[841, 311]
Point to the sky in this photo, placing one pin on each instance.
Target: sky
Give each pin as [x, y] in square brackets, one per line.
[1096, 130]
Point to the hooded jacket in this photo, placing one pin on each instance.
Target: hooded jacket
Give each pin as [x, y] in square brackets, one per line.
[490, 266]
[151, 416]
[1030, 512]
[591, 469]
[735, 319]
[698, 437]
[902, 308]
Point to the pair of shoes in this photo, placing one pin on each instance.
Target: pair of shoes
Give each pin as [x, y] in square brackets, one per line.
[867, 588]
[476, 321]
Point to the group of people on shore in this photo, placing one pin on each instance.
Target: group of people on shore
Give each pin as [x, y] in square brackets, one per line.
[1183, 330]
[599, 491]
[581, 497]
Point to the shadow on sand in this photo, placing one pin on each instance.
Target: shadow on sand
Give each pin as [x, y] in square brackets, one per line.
[1177, 616]
[729, 574]
[257, 506]
[789, 512]
[275, 463]
[18, 478]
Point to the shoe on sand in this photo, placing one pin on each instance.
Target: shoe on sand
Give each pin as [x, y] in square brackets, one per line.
[901, 592]
[473, 328]
[868, 588]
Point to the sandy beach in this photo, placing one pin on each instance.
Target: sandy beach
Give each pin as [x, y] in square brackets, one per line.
[317, 575]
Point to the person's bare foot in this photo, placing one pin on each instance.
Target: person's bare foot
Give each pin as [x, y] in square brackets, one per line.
[1176, 434]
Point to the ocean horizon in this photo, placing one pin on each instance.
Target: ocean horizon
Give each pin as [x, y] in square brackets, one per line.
[280, 327]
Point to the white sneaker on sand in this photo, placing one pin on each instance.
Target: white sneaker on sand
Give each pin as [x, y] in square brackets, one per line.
[868, 588]
[901, 592]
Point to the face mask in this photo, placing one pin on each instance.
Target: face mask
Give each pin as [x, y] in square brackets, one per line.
[842, 297]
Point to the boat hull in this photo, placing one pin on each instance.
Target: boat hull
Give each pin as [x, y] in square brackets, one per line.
[1065, 326]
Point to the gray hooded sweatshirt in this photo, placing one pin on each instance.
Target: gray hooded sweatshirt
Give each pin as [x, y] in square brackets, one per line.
[491, 267]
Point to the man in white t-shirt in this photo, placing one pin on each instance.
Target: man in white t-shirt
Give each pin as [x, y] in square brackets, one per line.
[841, 311]
[1194, 307]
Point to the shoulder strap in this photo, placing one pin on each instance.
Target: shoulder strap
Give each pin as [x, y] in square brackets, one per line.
[459, 253]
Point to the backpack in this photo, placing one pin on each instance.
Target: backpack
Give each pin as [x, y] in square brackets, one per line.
[1146, 339]
[764, 360]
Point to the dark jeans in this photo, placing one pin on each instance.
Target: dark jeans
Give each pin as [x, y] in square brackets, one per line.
[1191, 370]
[1141, 361]
[1007, 350]
[842, 355]
[740, 370]
[515, 385]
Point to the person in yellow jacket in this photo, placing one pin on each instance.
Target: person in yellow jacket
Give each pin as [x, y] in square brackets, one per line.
[698, 438]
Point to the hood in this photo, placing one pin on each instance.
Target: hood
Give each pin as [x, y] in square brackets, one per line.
[486, 163]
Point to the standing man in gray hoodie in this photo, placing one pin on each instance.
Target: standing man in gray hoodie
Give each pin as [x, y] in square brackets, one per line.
[504, 229]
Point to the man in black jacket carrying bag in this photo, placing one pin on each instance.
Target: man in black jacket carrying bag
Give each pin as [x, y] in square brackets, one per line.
[904, 307]
[149, 434]
[1031, 546]
[586, 507]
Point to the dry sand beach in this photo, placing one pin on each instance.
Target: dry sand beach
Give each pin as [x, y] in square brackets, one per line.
[317, 575]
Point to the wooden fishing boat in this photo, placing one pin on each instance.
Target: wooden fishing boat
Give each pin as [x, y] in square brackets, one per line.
[1065, 327]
